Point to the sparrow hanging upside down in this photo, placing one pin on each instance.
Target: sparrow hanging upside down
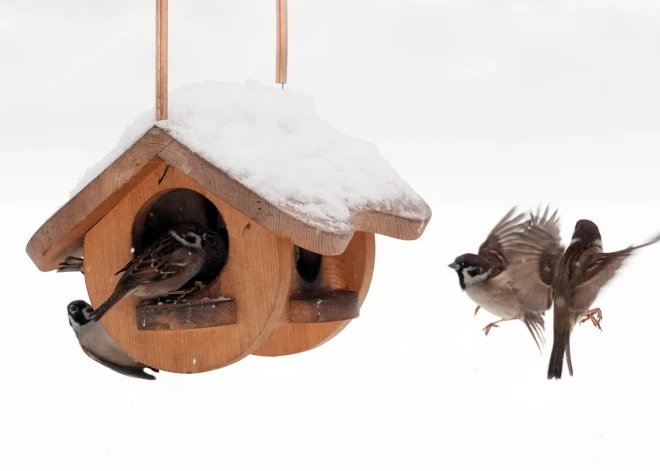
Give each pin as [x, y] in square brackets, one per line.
[99, 346]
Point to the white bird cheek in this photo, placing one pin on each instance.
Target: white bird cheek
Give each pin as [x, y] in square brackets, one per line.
[74, 325]
[475, 280]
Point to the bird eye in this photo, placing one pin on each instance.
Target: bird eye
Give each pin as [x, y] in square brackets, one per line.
[73, 309]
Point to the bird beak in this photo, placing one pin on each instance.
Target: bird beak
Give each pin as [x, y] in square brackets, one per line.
[204, 236]
[454, 266]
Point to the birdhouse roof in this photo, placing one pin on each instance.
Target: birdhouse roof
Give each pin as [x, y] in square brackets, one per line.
[261, 149]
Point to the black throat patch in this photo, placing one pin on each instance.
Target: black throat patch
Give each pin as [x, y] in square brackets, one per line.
[461, 278]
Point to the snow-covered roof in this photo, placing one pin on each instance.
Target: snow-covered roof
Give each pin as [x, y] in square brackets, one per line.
[261, 149]
[274, 142]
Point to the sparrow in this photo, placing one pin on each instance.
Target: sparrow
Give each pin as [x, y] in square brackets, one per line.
[572, 279]
[167, 264]
[71, 264]
[487, 281]
[99, 346]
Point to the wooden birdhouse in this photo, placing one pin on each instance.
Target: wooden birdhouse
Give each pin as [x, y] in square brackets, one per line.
[296, 202]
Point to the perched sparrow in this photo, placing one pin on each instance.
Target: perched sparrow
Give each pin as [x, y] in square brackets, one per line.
[99, 346]
[572, 279]
[71, 264]
[164, 266]
[486, 279]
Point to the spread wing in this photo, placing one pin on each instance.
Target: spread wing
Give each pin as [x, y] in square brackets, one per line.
[136, 371]
[533, 257]
[495, 247]
[601, 268]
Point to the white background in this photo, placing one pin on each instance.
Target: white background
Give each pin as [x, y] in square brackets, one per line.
[479, 105]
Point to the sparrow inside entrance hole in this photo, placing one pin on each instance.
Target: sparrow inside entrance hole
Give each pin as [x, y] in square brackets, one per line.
[169, 208]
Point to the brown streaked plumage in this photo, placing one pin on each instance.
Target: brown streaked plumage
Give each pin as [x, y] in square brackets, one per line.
[164, 266]
[486, 276]
[572, 279]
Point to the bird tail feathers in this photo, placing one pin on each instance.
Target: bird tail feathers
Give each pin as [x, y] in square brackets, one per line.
[536, 326]
[114, 298]
[561, 347]
[71, 264]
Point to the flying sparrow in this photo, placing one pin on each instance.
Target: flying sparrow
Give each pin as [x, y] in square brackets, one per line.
[71, 264]
[99, 346]
[486, 279]
[572, 279]
[164, 266]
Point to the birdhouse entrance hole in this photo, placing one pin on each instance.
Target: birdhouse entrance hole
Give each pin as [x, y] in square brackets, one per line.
[308, 264]
[325, 294]
[159, 214]
[169, 208]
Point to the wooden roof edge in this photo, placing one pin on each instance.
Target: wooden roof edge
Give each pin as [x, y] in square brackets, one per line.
[297, 227]
[62, 233]
[392, 225]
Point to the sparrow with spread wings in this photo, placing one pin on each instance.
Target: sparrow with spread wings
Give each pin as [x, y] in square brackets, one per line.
[486, 279]
[571, 279]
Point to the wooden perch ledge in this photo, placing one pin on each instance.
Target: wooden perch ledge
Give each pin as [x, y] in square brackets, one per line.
[327, 306]
[186, 315]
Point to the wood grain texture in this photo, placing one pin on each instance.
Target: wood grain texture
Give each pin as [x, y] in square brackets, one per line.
[62, 234]
[329, 306]
[351, 270]
[161, 59]
[191, 315]
[282, 42]
[256, 276]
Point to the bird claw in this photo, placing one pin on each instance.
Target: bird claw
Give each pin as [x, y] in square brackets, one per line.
[595, 316]
[477, 310]
[490, 326]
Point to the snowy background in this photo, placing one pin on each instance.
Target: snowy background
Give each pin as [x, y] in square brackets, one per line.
[479, 105]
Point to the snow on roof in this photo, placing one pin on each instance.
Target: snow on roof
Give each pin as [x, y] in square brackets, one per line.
[273, 142]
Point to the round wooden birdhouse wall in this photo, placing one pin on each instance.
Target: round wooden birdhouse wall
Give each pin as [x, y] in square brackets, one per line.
[218, 324]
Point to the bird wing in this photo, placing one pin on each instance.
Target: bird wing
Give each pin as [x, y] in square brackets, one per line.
[601, 268]
[136, 371]
[533, 256]
[128, 266]
[158, 262]
[494, 248]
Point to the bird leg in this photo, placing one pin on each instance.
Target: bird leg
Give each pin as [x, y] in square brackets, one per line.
[493, 324]
[477, 309]
[595, 316]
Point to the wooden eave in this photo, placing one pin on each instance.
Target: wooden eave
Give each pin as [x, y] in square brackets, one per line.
[63, 233]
